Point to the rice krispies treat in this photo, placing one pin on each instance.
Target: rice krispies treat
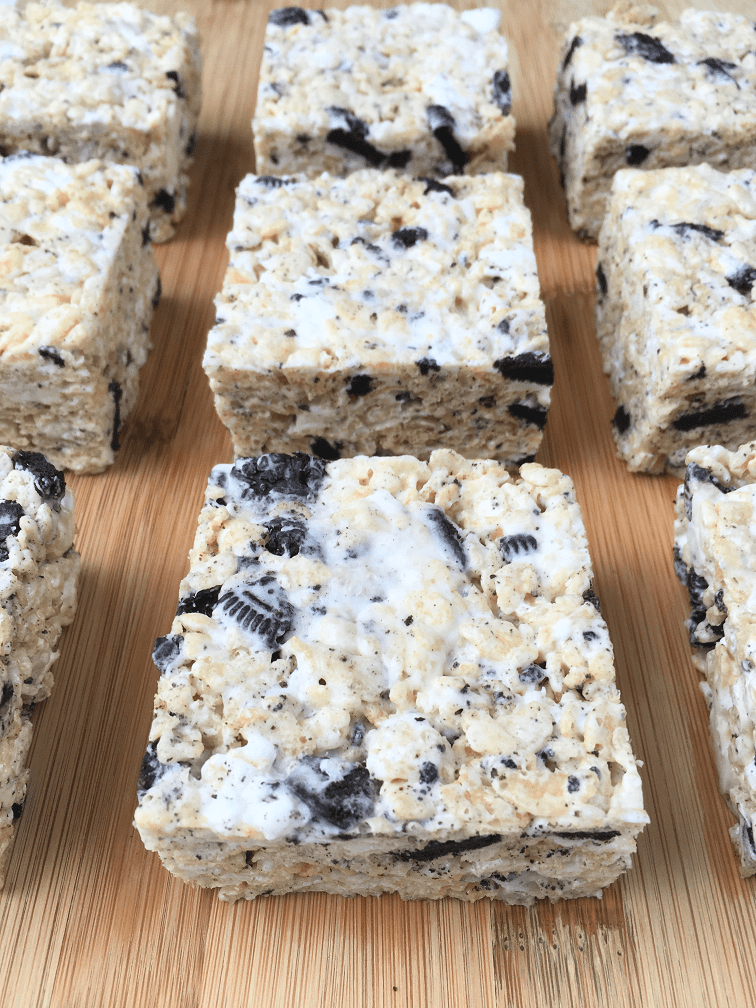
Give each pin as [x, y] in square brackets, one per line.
[78, 284]
[38, 571]
[387, 675]
[631, 92]
[676, 311]
[104, 80]
[381, 315]
[715, 558]
[418, 86]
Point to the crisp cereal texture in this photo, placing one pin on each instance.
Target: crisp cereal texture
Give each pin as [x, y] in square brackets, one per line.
[104, 80]
[715, 547]
[387, 675]
[78, 286]
[381, 315]
[633, 92]
[676, 311]
[417, 87]
[38, 571]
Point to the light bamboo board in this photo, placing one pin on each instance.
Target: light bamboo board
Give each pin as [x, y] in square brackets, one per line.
[90, 919]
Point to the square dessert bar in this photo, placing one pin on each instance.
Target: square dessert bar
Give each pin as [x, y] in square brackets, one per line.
[715, 558]
[418, 86]
[381, 315]
[631, 92]
[388, 675]
[38, 571]
[104, 80]
[78, 284]
[676, 311]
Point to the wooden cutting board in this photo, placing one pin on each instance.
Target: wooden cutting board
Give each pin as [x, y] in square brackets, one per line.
[90, 919]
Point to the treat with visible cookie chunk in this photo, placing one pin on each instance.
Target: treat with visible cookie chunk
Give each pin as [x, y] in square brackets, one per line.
[417, 87]
[381, 314]
[411, 690]
[632, 92]
[78, 285]
[676, 311]
[38, 571]
[715, 558]
[104, 80]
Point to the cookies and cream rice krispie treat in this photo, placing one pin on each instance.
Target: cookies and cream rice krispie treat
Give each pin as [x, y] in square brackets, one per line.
[634, 92]
[78, 286]
[676, 311]
[104, 80]
[380, 314]
[388, 675]
[419, 87]
[38, 570]
[715, 558]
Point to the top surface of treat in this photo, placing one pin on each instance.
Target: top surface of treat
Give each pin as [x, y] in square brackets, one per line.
[388, 646]
[92, 64]
[698, 75]
[393, 66]
[690, 234]
[378, 266]
[60, 228]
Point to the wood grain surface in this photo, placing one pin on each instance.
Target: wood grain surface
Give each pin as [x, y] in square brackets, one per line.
[90, 919]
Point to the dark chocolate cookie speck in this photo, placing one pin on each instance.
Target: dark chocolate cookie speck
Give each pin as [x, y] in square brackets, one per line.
[406, 237]
[743, 279]
[10, 514]
[578, 93]
[49, 482]
[261, 607]
[432, 185]
[441, 122]
[165, 201]
[166, 650]
[577, 41]
[718, 413]
[325, 450]
[501, 88]
[53, 355]
[342, 803]
[536, 368]
[276, 474]
[621, 420]
[360, 385]
[285, 535]
[636, 154]
[517, 545]
[535, 415]
[645, 46]
[440, 848]
[202, 601]
[449, 534]
[285, 17]
[427, 364]
[151, 770]
[719, 69]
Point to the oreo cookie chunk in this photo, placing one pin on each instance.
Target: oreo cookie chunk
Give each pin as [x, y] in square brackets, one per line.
[340, 710]
[635, 92]
[675, 312]
[715, 551]
[38, 571]
[444, 108]
[412, 363]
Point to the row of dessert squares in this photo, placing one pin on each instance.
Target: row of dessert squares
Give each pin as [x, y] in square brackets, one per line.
[401, 658]
[382, 294]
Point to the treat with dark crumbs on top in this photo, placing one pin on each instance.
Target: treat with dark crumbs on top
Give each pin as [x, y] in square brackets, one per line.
[104, 80]
[377, 314]
[636, 92]
[676, 311]
[38, 571]
[419, 87]
[715, 546]
[413, 694]
[77, 293]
